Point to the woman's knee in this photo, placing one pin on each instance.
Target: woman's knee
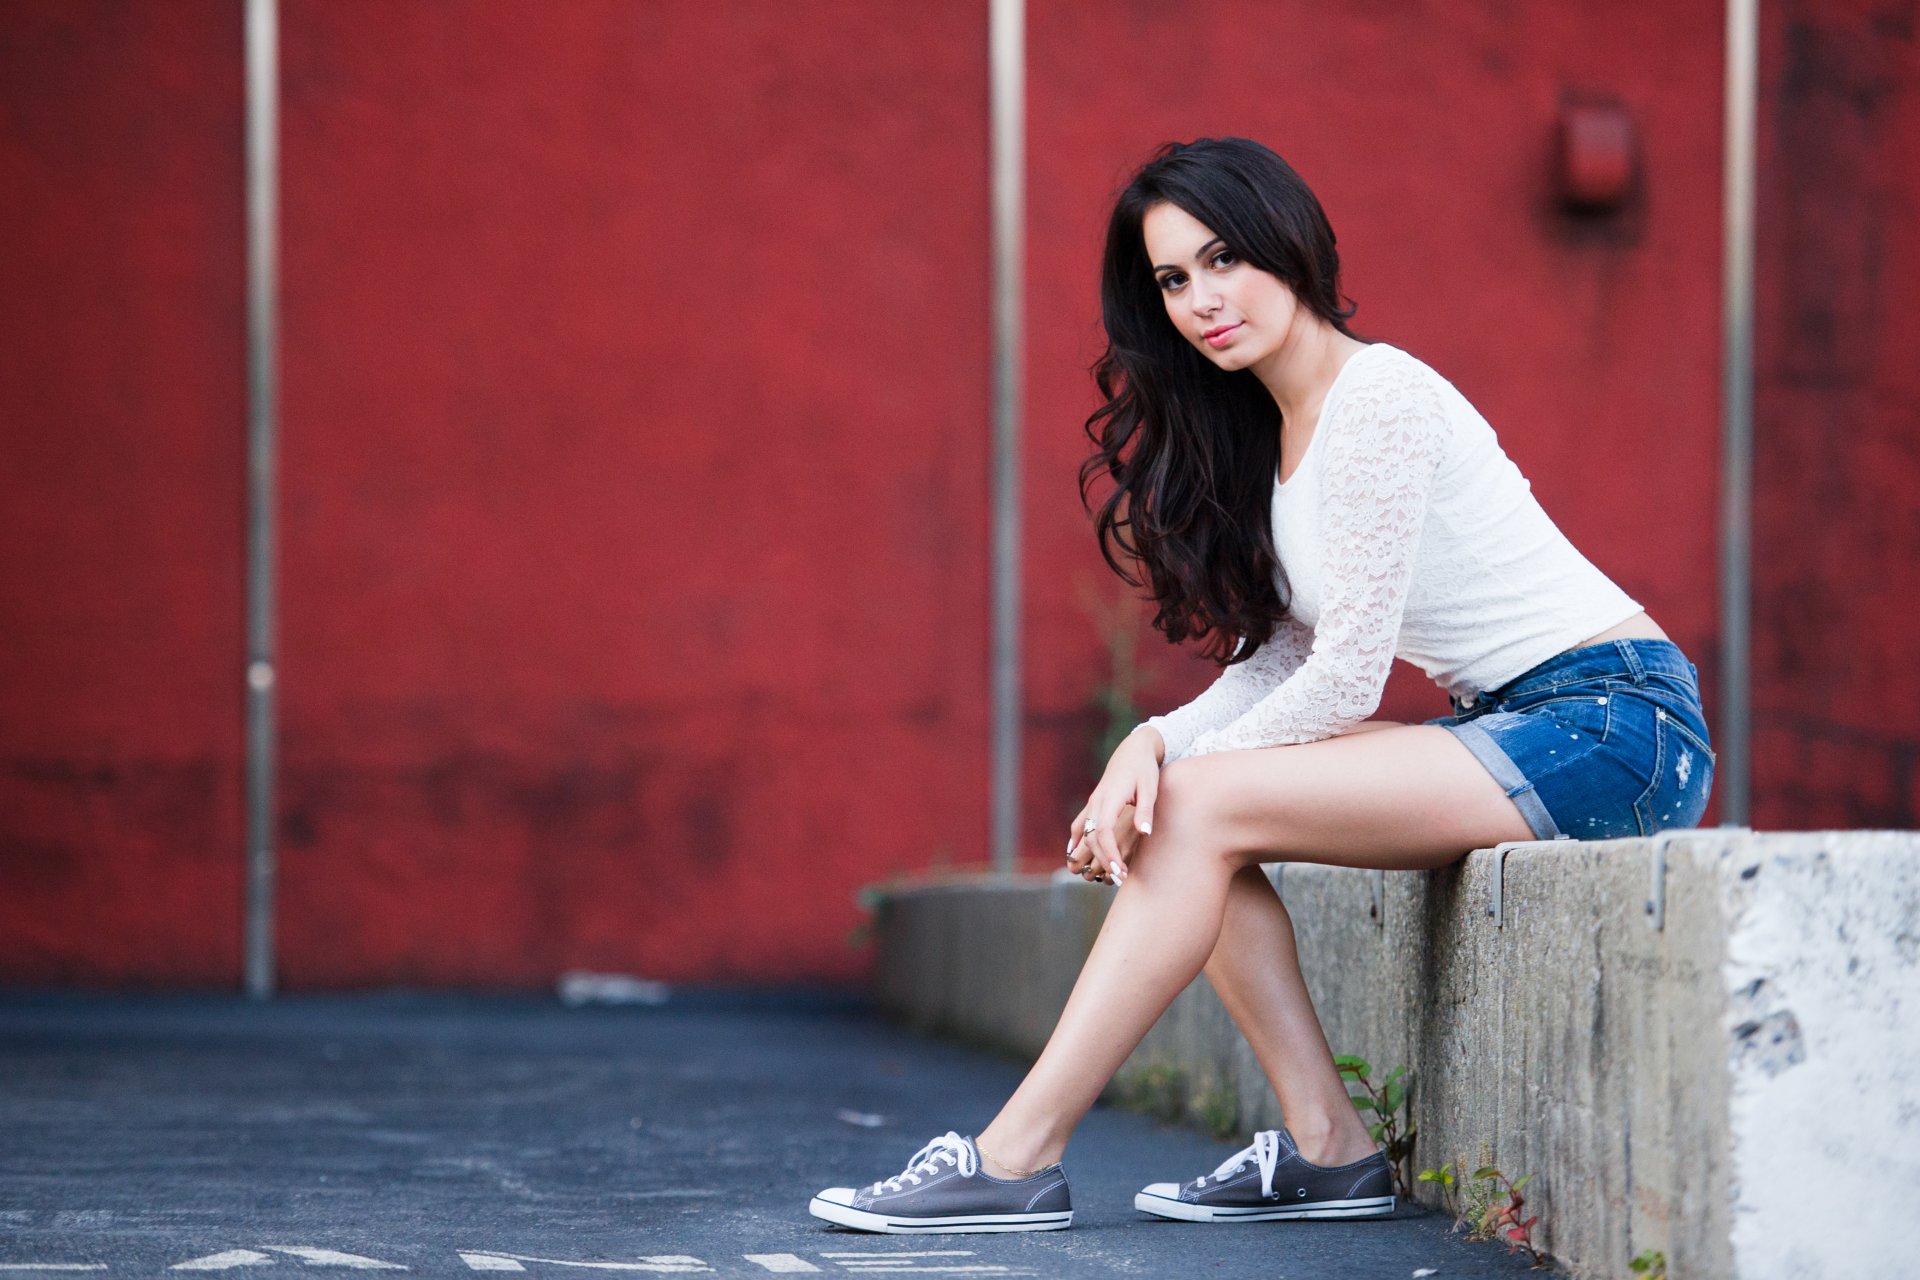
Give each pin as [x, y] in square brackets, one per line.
[1193, 812]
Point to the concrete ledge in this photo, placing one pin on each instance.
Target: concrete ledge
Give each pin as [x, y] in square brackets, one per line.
[1717, 1059]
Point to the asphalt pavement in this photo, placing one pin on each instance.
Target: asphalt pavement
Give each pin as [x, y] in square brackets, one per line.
[447, 1135]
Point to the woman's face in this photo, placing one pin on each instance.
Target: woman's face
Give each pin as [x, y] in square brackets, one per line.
[1234, 312]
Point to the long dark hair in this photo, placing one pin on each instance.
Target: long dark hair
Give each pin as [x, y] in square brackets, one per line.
[1192, 449]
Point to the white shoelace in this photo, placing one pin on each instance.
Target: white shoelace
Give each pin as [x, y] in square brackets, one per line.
[1264, 1149]
[950, 1148]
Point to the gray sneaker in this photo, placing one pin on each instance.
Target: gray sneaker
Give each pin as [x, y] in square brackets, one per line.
[944, 1189]
[1270, 1180]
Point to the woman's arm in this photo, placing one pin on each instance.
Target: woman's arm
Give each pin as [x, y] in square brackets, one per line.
[1235, 690]
[1381, 459]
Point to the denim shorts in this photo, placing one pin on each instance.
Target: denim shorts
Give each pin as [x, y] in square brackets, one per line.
[1603, 741]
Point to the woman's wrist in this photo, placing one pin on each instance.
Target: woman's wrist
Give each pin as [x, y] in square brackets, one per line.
[1154, 740]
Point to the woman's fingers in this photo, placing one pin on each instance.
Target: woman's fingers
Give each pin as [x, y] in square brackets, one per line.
[1106, 847]
[1077, 852]
[1143, 803]
[1073, 830]
[1083, 854]
[1102, 853]
[1084, 862]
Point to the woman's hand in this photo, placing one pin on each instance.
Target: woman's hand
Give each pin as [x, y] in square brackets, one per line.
[1120, 809]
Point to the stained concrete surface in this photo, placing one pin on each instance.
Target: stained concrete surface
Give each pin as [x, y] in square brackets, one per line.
[448, 1135]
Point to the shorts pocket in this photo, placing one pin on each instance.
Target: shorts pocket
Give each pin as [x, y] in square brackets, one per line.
[1695, 736]
[1589, 712]
[1682, 779]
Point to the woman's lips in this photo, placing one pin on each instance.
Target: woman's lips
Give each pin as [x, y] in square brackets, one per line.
[1221, 337]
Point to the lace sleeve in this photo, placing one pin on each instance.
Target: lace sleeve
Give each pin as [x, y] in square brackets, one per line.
[1387, 437]
[1236, 689]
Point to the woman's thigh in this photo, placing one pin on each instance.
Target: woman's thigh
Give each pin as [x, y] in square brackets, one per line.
[1387, 795]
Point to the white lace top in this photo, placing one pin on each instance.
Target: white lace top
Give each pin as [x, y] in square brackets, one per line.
[1404, 531]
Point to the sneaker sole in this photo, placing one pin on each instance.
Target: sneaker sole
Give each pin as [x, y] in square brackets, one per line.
[847, 1216]
[1161, 1206]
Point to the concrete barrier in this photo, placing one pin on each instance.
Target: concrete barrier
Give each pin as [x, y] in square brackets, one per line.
[1707, 1043]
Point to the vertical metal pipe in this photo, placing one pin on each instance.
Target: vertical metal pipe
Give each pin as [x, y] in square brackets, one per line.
[262, 72]
[1007, 46]
[1733, 773]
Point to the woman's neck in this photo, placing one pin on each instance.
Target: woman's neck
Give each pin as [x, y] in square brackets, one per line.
[1298, 375]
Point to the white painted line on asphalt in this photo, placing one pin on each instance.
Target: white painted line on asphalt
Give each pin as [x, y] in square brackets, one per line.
[788, 1263]
[53, 1266]
[484, 1260]
[883, 1255]
[922, 1269]
[225, 1261]
[333, 1258]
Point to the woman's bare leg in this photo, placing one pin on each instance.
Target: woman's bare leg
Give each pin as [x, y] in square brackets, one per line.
[1402, 798]
[1255, 970]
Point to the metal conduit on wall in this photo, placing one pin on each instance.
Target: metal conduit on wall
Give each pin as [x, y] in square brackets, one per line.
[1733, 772]
[262, 107]
[1007, 47]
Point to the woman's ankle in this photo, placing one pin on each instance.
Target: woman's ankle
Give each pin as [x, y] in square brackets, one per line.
[1009, 1156]
[1328, 1143]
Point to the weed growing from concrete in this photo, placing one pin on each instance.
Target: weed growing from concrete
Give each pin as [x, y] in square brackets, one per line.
[1503, 1221]
[1218, 1110]
[1478, 1196]
[1449, 1189]
[1117, 700]
[1159, 1091]
[1391, 1105]
[1650, 1263]
[1168, 1094]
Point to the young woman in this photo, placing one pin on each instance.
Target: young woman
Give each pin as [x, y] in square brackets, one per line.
[1312, 506]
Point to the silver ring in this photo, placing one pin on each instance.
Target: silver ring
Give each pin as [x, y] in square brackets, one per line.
[1093, 825]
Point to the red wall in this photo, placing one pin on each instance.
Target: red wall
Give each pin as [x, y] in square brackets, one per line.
[1837, 420]
[122, 498]
[635, 436]
[636, 508]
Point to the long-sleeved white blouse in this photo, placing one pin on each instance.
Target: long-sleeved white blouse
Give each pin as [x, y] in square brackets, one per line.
[1404, 531]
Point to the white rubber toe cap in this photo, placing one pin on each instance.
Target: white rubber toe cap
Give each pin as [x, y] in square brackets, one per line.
[837, 1195]
[1165, 1190]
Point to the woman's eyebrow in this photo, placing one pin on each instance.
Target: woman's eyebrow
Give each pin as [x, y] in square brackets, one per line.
[1198, 254]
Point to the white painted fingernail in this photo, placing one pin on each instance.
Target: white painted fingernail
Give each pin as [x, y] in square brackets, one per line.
[1146, 828]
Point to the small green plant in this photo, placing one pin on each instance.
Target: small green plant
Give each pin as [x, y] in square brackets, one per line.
[1160, 1091]
[1391, 1105]
[1449, 1190]
[871, 899]
[1218, 1111]
[1117, 616]
[1502, 1221]
[1650, 1263]
[1169, 1094]
[1478, 1201]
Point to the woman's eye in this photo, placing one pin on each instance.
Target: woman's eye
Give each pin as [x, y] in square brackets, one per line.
[1171, 281]
[1224, 256]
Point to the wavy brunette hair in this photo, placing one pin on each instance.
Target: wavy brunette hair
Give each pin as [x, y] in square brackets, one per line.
[1192, 450]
